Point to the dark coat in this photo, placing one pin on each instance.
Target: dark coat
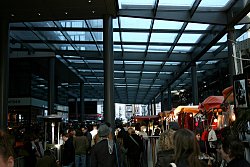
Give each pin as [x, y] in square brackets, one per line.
[68, 153]
[134, 150]
[238, 163]
[100, 156]
[164, 158]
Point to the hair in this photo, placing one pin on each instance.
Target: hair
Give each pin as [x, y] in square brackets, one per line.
[185, 145]
[79, 132]
[234, 148]
[6, 145]
[166, 140]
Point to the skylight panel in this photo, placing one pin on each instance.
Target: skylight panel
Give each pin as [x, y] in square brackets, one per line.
[196, 26]
[133, 62]
[163, 37]
[138, 23]
[214, 3]
[153, 48]
[116, 37]
[161, 24]
[182, 49]
[135, 3]
[223, 39]
[137, 48]
[134, 37]
[212, 62]
[189, 38]
[239, 26]
[172, 63]
[188, 3]
[213, 48]
[117, 48]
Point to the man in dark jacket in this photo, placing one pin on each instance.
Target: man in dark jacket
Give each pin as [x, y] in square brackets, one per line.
[134, 144]
[68, 153]
[104, 152]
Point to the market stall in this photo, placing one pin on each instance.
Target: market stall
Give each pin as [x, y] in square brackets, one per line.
[185, 115]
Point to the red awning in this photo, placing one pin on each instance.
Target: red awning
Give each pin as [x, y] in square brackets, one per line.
[228, 94]
[212, 102]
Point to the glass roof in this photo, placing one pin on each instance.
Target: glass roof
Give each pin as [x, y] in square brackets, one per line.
[151, 48]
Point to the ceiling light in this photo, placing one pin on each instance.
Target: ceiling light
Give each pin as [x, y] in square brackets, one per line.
[39, 14]
[66, 13]
[93, 11]
[12, 15]
[89, 1]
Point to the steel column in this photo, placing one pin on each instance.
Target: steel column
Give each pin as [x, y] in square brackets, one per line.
[169, 99]
[82, 109]
[4, 71]
[109, 109]
[194, 84]
[51, 85]
[230, 43]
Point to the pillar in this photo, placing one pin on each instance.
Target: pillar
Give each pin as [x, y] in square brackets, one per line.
[51, 86]
[194, 84]
[162, 101]
[82, 109]
[169, 98]
[109, 109]
[230, 43]
[4, 71]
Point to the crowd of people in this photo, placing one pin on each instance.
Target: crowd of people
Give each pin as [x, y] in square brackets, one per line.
[102, 146]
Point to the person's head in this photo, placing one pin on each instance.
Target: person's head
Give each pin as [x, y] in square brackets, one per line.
[166, 140]
[197, 135]
[231, 149]
[104, 130]
[186, 145]
[6, 150]
[65, 136]
[131, 131]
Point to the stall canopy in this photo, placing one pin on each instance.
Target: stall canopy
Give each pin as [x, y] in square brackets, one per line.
[212, 102]
[228, 95]
[187, 109]
[143, 118]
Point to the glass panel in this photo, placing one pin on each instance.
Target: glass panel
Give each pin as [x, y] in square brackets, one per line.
[153, 63]
[87, 47]
[115, 23]
[76, 23]
[137, 48]
[189, 38]
[26, 35]
[160, 24]
[212, 62]
[127, 22]
[182, 49]
[117, 48]
[163, 37]
[243, 37]
[95, 23]
[172, 63]
[43, 24]
[223, 39]
[39, 46]
[188, 3]
[134, 3]
[213, 48]
[152, 48]
[134, 37]
[116, 36]
[213, 3]
[239, 26]
[133, 62]
[196, 26]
